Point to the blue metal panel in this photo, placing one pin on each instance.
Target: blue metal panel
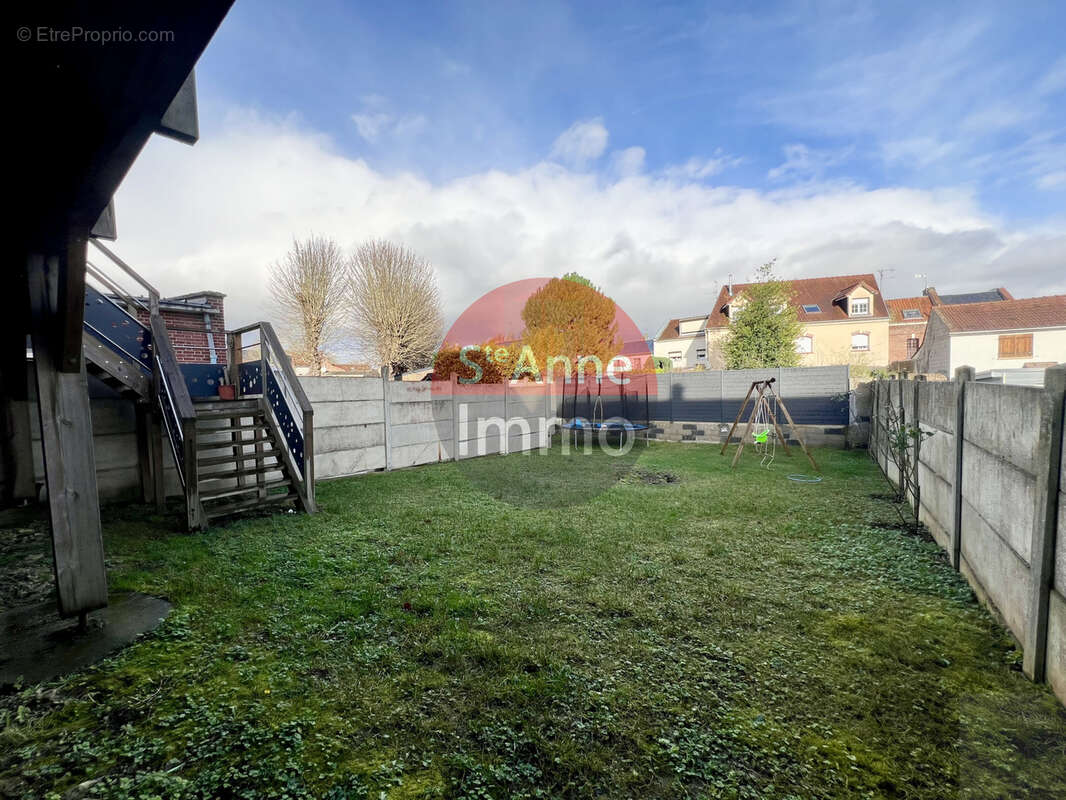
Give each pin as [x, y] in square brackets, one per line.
[250, 379]
[203, 380]
[293, 437]
[117, 329]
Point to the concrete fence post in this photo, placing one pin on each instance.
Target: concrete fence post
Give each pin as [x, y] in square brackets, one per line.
[456, 433]
[505, 440]
[1045, 520]
[917, 454]
[962, 376]
[387, 426]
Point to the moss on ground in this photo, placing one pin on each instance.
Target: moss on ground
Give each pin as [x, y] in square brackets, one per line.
[723, 635]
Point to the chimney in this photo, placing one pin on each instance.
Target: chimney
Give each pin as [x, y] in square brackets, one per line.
[934, 298]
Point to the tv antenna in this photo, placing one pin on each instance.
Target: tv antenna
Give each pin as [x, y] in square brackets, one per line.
[925, 279]
[881, 273]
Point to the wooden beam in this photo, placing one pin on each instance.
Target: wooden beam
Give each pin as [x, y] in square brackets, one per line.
[740, 413]
[751, 420]
[105, 226]
[799, 436]
[180, 121]
[68, 317]
[67, 444]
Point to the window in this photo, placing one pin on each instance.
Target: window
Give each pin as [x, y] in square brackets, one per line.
[912, 346]
[701, 354]
[912, 313]
[860, 307]
[805, 344]
[675, 356]
[812, 309]
[1018, 345]
[860, 341]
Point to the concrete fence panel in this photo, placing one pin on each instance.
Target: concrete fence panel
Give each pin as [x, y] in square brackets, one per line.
[1009, 483]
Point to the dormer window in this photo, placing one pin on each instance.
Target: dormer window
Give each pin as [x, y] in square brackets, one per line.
[860, 307]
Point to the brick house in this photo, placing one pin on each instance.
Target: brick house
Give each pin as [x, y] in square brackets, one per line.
[908, 316]
[196, 323]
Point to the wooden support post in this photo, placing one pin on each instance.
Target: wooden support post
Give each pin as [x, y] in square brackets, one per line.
[962, 376]
[1045, 520]
[233, 366]
[144, 458]
[155, 459]
[387, 416]
[194, 511]
[740, 413]
[777, 428]
[799, 436]
[309, 460]
[16, 448]
[751, 420]
[56, 315]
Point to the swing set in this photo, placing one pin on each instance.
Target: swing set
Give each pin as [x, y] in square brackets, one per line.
[763, 428]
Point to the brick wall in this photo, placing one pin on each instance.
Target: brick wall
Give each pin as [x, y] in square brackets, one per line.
[897, 340]
[188, 335]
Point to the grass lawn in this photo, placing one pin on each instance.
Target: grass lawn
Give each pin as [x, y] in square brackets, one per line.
[516, 627]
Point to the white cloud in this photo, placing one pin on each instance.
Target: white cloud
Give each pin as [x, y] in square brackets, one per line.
[658, 244]
[376, 119]
[802, 162]
[629, 161]
[698, 168]
[581, 143]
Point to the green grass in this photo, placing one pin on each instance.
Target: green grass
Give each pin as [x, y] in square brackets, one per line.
[521, 627]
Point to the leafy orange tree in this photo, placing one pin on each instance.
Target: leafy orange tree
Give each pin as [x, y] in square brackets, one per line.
[495, 358]
[571, 320]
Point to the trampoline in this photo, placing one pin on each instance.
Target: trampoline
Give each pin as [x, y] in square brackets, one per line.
[607, 415]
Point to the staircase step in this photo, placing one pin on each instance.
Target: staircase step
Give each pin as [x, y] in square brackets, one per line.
[214, 494]
[215, 512]
[215, 409]
[265, 469]
[261, 435]
[207, 462]
[231, 429]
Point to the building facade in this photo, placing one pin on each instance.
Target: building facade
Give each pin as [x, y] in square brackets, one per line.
[1003, 334]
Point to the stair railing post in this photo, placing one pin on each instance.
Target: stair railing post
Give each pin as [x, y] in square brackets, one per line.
[192, 476]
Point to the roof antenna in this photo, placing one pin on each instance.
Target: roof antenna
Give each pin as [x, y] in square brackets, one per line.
[729, 285]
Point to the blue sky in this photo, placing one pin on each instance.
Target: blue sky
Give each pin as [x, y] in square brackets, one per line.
[656, 148]
[880, 94]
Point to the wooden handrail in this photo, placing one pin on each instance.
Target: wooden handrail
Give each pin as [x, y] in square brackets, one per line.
[168, 363]
[283, 361]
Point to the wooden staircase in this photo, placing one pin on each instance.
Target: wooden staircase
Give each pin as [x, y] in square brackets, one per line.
[236, 455]
[239, 465]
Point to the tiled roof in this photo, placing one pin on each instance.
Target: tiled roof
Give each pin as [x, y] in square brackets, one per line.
[821, 292]
[1005, 315]
[671, 330]
[991, 296]
[897, 306]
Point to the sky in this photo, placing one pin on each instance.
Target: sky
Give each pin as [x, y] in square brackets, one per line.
[657, 149]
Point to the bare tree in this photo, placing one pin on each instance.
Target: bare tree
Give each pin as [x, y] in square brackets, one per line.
[395, 305]
[308, 287]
